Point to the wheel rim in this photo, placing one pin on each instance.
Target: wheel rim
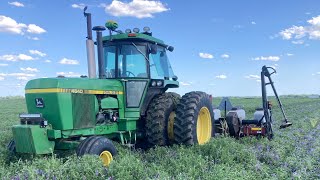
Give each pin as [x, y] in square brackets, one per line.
[170, 125]
[106, 158]
[204, 126]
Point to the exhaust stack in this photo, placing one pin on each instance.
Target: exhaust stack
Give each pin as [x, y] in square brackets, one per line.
[99, 29]
[90, 46]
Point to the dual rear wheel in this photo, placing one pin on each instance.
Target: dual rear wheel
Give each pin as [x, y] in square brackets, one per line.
[194, 119]
[186, 120]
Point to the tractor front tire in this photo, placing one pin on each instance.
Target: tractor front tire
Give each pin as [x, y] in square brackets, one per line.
[98, 145]
[194, 123]
[160, 114]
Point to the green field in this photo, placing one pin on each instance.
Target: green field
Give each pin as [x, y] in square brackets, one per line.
[293, 154]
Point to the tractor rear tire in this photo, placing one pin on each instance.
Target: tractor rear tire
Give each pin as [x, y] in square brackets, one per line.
[175, 97]
[194, 123]
[233, 124]
[98, 145]
[160, 112]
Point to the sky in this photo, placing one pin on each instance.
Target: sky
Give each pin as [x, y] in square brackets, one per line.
[220, 46]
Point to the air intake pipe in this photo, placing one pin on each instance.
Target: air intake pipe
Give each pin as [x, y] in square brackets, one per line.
[101, 64]
[90, 46]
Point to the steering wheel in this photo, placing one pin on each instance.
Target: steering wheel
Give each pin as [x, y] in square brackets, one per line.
[128, 74]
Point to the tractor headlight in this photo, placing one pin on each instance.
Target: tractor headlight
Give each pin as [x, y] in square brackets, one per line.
[153, 83]
[159, 83]
[128, 31]
[146, 29]
[136, 30]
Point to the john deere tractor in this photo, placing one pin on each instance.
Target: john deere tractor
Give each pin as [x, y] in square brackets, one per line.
[127, 102]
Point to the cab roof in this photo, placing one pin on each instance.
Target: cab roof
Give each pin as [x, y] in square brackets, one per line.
[133, 36]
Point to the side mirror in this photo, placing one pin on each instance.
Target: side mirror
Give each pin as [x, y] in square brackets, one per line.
[174, 77]
[170, 48]
[153, 49]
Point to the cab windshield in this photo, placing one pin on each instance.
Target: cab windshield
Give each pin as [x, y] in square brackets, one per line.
[131, 61]
[134, 61]
[160, 67]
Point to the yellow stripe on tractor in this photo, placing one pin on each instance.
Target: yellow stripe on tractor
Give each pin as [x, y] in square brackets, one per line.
[75, 91]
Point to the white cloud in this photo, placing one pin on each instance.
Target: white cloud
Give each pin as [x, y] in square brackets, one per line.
[225, 56]
[16, 3]
[22, 78]
[78, 6]
[68, 61]
[300, 41]
[47, 61]
[24, 57]
[68, 74]
[289, 54]
[267, 58]
[34, 29]
[185, 84]
[135, 8]
[10, 25]
[1, 78]
[315, 21]
[206, 55]
[317, 73]
[36, 52]
[33, 38]
[238, 26]
[254, 77]
[4, 64]
[222, 76]
[296, 33]
[29, 69]
[18, 74]
[11, 57]
[253, 23]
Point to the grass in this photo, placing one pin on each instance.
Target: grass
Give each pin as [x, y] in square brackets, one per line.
[293, 154]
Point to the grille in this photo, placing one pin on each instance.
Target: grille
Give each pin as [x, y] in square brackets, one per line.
[83, 110]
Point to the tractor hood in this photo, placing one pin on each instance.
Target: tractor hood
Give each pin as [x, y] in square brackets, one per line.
[70, 103]
[73, 85]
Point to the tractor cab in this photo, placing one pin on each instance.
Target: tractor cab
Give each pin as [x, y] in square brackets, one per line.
[134, 55]
[138, 60]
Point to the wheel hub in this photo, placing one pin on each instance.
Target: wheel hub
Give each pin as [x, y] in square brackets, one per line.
[106, 158]
[204, 126]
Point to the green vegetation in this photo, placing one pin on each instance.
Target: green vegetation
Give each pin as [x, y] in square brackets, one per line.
[293, 154]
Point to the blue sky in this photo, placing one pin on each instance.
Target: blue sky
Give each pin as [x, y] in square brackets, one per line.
[220, 46]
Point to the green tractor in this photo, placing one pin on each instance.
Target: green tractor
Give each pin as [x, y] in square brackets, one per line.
[127, 102]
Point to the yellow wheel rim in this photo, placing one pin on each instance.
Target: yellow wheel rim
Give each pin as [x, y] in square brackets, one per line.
[170, 125]
[106, 158]
[204, 126]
